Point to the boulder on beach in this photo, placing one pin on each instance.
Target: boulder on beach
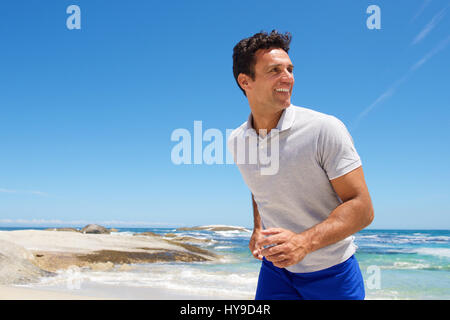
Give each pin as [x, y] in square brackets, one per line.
[95, 229]
[16, 266]
[148, 234]
[170, 235]
[188, 239]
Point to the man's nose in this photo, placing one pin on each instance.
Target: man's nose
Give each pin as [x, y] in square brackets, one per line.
[287, 76]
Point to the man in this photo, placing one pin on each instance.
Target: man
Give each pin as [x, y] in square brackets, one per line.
[306, 213]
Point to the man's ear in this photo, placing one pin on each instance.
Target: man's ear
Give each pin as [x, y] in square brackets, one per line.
[243, 81]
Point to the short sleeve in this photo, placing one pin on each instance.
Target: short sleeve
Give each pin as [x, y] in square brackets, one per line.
[336, 152]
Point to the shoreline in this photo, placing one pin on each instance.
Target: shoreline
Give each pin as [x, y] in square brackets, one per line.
[97, 292]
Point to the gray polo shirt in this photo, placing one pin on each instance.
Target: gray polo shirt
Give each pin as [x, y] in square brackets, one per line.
[314, 148]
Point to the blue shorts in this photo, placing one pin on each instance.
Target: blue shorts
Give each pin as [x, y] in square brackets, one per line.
[340, 282]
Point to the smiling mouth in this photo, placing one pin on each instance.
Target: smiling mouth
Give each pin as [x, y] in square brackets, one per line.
[282, 90]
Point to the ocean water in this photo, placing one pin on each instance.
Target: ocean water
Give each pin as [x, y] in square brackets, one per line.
[412, 264]
[396, 264]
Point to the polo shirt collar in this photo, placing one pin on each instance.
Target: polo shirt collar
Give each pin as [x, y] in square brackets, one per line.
[286, 121]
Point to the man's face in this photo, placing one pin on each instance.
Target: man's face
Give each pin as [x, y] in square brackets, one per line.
[274, 79]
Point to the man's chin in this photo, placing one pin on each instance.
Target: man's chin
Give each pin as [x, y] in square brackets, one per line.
[283, 100]
[285, 104]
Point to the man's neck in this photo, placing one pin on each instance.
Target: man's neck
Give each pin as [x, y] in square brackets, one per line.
[265, 122]
[266, 119]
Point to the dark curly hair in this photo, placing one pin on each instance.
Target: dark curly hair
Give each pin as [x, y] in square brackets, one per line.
[244, 52]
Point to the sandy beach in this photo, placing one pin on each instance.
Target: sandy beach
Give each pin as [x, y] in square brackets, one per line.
[97, 293]
[20, 293]
[28, 255]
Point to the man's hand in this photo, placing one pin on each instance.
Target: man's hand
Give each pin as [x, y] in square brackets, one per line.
[256, 237]
[288, 248]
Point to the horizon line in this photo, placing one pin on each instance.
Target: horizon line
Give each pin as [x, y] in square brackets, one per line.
[183, 225]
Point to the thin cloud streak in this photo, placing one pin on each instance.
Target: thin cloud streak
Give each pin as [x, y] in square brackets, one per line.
[421, 9]
[7, 191]
[430, 26]
[37, 193]
[441, 46]
[384, 96]
[393, 88]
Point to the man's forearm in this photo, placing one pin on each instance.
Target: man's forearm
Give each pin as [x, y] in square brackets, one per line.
[348, 218]
[256, 217]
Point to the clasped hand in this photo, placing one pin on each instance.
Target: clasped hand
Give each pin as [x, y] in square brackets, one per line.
[280, 246]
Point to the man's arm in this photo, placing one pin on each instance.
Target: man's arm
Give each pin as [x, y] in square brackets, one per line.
[352, 215]
[256, 217]
[257, 232]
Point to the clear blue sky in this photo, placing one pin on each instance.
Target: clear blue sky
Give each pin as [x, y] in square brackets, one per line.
[87, 115]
